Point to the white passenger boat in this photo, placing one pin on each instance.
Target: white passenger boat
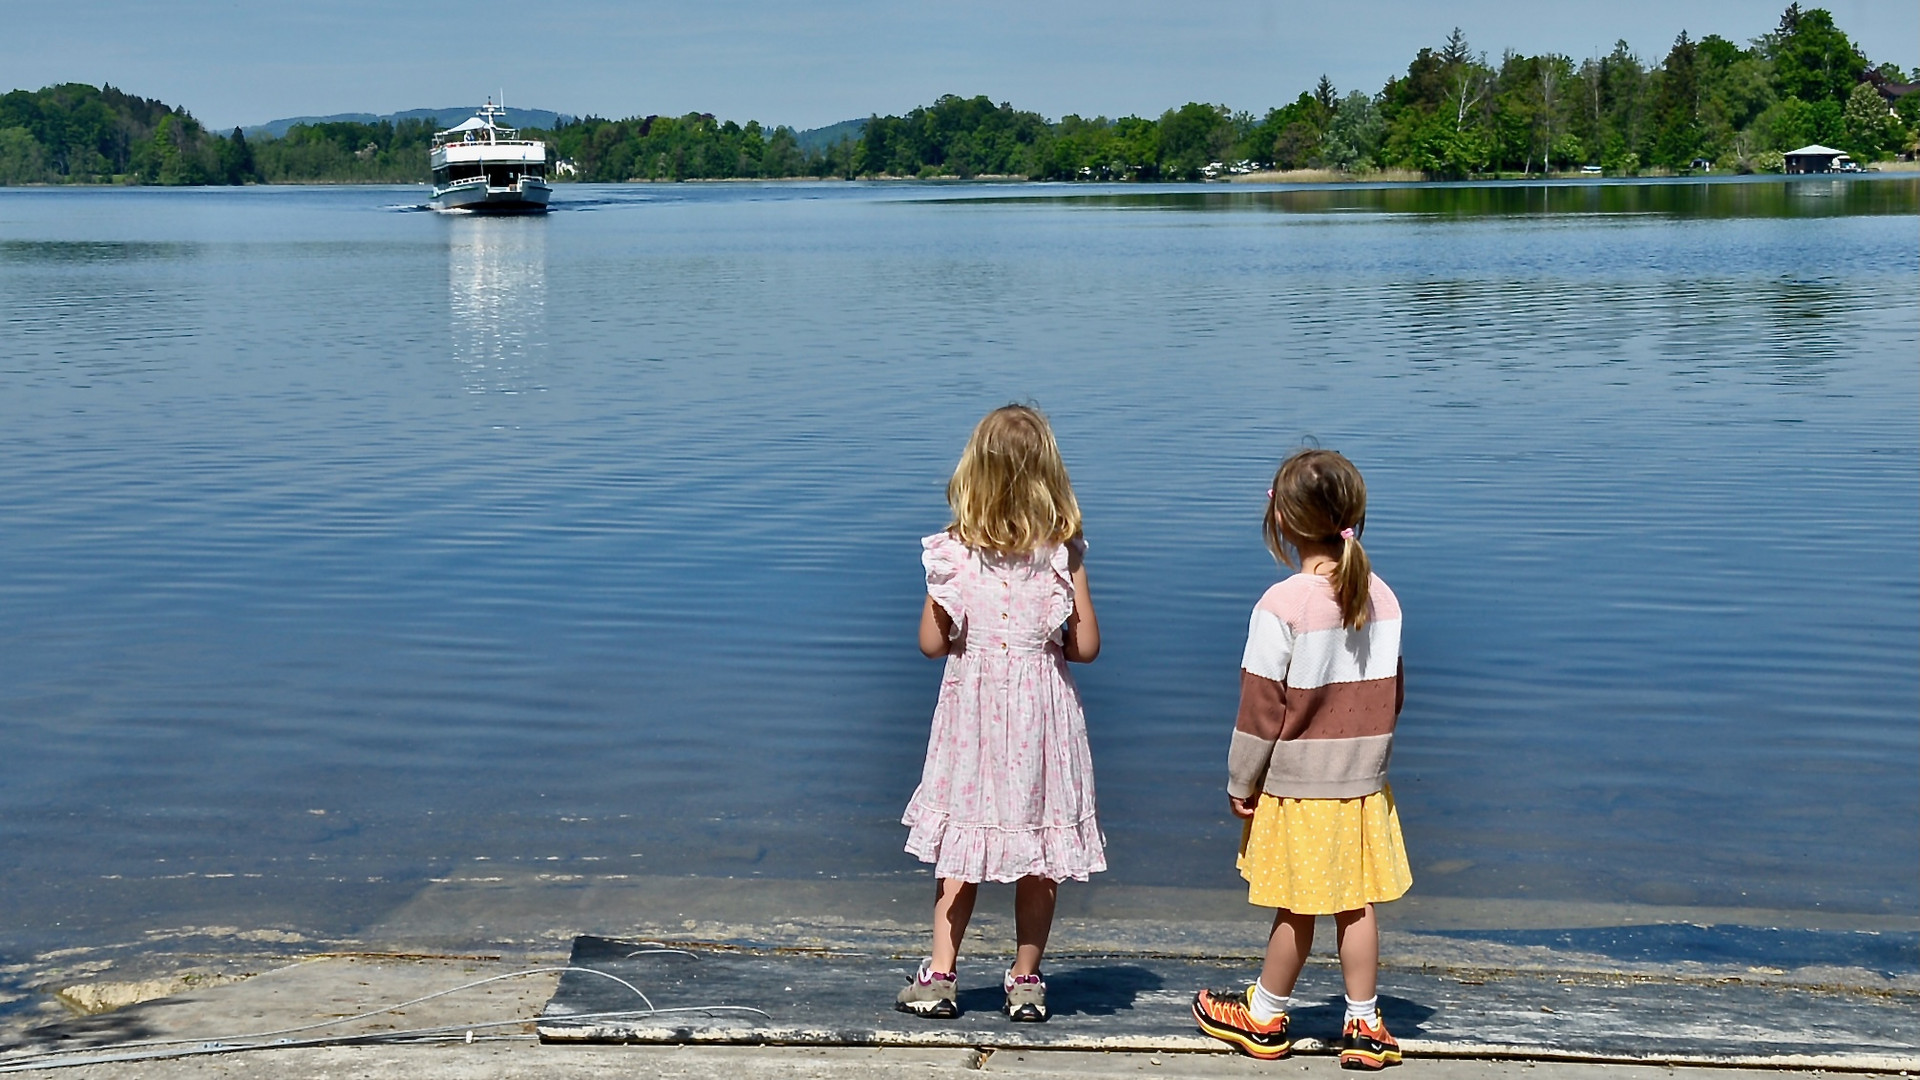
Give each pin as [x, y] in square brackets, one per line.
[483, 166]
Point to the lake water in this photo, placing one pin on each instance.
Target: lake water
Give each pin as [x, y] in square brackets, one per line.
[343, 544]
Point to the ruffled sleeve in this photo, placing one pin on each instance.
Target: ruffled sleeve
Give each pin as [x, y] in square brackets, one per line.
[943, 556]
[1060, 603]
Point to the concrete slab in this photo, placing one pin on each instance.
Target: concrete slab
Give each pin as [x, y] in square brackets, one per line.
[312, 999]
[799, 997]
[1464, 977]
[201, 1033]
[529, 1060]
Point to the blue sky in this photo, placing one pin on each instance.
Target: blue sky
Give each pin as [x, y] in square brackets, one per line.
[817, 62]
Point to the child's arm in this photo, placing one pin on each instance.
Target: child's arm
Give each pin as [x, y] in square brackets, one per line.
[1082, 639]
[936, 629]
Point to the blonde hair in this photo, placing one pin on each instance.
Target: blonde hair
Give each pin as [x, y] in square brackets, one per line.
[1010, 493]
[1321, 497]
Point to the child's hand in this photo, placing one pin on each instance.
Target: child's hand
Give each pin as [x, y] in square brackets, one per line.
[1243, 808]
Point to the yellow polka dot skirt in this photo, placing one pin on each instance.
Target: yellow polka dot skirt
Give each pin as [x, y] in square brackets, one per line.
[1322, 856]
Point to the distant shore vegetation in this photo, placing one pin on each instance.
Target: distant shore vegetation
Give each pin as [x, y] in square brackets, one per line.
[1455, 113]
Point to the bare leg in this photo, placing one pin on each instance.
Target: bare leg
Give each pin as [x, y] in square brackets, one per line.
[1033, 900]
[1287, 949]
[952, 909]
[1359, 951]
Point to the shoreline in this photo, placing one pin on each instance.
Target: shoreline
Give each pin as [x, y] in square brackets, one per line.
[1271, 178]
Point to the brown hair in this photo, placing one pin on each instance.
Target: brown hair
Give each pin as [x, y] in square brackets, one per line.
[1010, 493]
[1319, 495]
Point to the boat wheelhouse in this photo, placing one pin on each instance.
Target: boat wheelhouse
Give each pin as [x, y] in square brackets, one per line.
[481, 165]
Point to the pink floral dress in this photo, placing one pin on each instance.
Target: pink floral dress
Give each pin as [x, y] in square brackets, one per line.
[1007, 790]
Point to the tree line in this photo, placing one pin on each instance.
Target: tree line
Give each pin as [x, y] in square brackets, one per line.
[75, 133]
[1709, 103]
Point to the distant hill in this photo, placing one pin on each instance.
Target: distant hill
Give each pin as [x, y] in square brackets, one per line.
[814, 140]
[811, 141]
[442, 118]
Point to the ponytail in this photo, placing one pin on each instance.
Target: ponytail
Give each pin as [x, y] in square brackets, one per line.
[1352, 576]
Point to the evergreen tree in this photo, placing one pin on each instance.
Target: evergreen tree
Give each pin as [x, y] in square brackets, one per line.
[236, 159]
[1676, 107]
[1326, 95]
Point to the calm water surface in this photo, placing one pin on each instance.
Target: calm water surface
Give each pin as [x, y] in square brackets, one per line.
[342, 545]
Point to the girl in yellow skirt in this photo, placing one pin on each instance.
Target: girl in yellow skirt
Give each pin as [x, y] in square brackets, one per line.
[1321, 685]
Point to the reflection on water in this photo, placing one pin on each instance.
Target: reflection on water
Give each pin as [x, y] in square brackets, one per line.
[497, 301]
[95, 251]
[1745, 197]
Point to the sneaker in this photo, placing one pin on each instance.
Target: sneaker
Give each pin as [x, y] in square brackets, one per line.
[1224, 1015]
[1365, 1044]
[1026, 998]
[929, 994]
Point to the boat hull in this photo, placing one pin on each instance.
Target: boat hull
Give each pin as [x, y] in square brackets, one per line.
[527, 196]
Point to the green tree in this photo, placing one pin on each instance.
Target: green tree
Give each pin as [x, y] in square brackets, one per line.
[1527, 110]
[1354, 134]
[954, 136]
[1325, 95]
[1829, 122]
[85, 132]
[1297, 146]
[236, 159]
[1813, 60]
[781, 156]
[176, 154]
[1191, 137]
[1676, 107]
[1736, 86]
[1554, 75]
[1907, 109]
[21, 159]
[1868, 128]
[1439, 115]
[1786, 125]
[1624, 95]
[1288, 137]
[1441, 149]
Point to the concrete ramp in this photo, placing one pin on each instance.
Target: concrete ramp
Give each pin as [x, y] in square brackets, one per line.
[696, 993]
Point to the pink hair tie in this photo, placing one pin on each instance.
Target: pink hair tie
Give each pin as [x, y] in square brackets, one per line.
[1346, 534]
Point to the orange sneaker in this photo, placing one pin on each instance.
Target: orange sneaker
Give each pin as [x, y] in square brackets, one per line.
[1365, 1044]
[1224, 1015]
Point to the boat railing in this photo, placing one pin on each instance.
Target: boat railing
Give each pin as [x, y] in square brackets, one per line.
[441, 139]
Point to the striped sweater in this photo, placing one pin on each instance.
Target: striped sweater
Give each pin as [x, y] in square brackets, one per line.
[1317, 701]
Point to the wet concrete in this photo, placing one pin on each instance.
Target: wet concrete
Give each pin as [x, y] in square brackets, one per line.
[246, 1027]
[536, 1061]
[1465, 981]
[1140, 1003]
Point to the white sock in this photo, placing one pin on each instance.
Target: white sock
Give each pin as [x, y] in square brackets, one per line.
[1363, 1010]
[1265, 1005]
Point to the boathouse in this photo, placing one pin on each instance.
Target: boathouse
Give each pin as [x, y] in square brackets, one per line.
[1815, 159]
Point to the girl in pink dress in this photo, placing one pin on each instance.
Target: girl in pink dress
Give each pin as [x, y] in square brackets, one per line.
[1007, 790]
